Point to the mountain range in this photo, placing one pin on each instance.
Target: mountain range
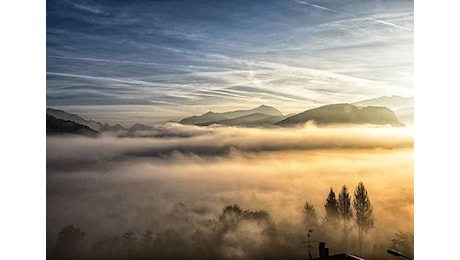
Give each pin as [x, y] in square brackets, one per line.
[97, 126]
[59, 126]
[324, 115]
[378, 111]
[261, 115]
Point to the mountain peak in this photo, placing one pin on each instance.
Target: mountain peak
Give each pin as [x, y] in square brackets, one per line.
[267, 110]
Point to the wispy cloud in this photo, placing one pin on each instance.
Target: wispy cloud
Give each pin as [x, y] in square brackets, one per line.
[221, 54]
[349, 14]
[103, 60]
[124, 62]
[87, 8]
[126, 81]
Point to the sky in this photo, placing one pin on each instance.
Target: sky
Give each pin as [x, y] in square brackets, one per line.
[118, 61]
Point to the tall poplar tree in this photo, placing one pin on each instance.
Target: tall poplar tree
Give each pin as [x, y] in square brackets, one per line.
[310, 216]
[364, 216]
[344, 205]
[345, 211]
[332, 212]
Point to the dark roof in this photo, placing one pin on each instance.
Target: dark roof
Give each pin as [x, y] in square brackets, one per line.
[341, 256]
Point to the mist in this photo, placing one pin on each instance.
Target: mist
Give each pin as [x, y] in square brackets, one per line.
[177, 180]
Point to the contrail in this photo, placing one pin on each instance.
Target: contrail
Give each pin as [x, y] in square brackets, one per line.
[119, 80]
[103, 60]
[126, 81]
[392, 24]
[352, 15]
[317, 6]
[122, 61]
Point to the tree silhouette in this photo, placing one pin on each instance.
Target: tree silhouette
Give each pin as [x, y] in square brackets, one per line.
[69, 243]
[69, 236]
[310, 216]
[332, 212]
[345, 211]
[344, 205]
[260, 216]
[147, 238]
[363, 212]
[230, 217]
[129, 242]
[146, 244]
[129, 239]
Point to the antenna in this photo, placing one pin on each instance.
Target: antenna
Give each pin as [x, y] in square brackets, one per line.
[308, 242]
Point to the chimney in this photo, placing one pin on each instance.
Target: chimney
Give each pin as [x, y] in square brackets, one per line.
[323, 251]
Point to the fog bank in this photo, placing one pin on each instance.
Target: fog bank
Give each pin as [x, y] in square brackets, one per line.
[109, 185]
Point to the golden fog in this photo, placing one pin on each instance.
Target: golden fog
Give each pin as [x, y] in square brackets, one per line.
[107, 185]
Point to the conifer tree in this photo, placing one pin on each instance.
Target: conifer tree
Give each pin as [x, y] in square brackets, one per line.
[332, 212]
[345, 212]
[310, 216]
[344, 205]
[364, 216]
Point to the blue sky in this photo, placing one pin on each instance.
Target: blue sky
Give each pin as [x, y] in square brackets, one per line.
[165, 59]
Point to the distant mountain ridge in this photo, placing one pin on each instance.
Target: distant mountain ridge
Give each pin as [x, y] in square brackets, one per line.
[402, 106]
[344, 114]
[262, 116]
[139, 128]
[324, 115]
[256, 119]
[231, 117]
[97, 126]
[59, 126]
[263, 109]
[391, 102]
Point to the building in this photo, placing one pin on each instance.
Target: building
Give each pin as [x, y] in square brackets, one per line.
[324, 254]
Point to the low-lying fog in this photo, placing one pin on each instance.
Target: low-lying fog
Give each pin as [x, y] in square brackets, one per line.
[180, 177]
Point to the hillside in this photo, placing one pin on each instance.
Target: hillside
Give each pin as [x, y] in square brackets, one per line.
[216, 118]
[344, 114]
[59, 126]
[98, 126]
[402, 106]
[257, 119]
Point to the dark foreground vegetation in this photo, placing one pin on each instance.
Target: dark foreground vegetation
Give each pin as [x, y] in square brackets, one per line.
[246, 234]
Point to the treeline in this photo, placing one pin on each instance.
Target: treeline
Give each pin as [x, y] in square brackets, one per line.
[245, 234]
[234, 234]
[346, 222]
[340, 211]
